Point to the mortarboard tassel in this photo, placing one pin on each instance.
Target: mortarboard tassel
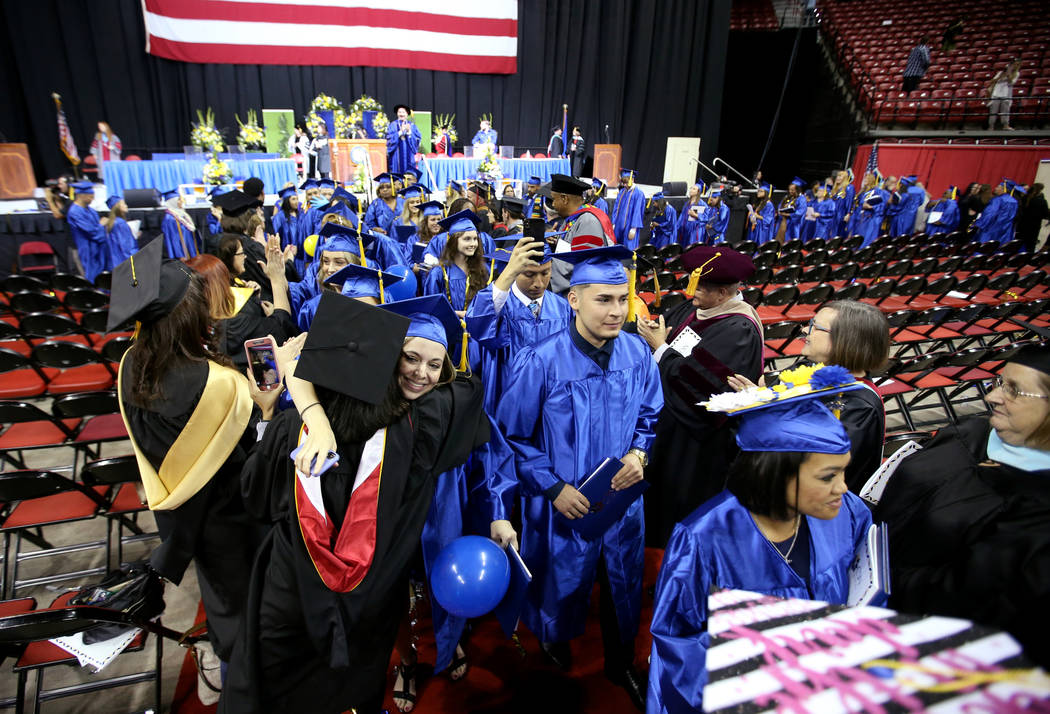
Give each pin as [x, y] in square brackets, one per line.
[694, 277]
[361, 247]
[492, 271]
[632, 315]
[463, 364]
[382, 293]
[656, 286]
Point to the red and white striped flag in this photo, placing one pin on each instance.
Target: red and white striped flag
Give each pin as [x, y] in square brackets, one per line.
[479, 36]
[65, 138]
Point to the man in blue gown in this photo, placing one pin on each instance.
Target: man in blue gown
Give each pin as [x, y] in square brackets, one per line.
[402, 141]
[514, 312]
[912, 197]
[89, 236]
[996, 221]
[628, 211]
[587, 393]
[485, 134]
[663, 224]
[943, 216]
[793, 209]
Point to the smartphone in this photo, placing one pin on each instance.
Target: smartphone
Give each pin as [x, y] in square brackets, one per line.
[329, 461]
[262, 358]
[535, 228]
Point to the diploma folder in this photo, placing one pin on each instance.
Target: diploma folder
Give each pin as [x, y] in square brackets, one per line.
[869, 574]
[607, 505]
[508, 611]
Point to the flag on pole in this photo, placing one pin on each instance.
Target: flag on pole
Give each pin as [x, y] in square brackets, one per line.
[479, 36]
[873, 161]
[564, 129]
[65, 138]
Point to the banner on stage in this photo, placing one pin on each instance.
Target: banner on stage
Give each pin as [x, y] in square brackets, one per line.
[279, 125]
[425, 122]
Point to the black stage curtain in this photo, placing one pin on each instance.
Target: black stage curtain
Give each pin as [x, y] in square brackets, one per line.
[648, 68]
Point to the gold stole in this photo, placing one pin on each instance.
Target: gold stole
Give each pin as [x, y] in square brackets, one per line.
[209, 437]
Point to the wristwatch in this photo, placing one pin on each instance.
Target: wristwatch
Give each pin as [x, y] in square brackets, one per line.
[642, 456]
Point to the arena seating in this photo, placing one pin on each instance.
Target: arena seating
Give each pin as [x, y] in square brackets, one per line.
[753, 15]
[871, 42]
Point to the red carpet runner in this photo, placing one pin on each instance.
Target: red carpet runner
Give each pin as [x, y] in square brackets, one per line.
[500, 678]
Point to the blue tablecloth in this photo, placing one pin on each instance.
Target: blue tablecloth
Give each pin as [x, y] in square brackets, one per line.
[166, 175]
[445, 170]
[224, 157]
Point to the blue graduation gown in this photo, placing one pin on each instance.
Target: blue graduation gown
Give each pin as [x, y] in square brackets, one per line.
[122, 243]
[689, 230]
[843, 205]
[765, 226]
[379, 215]
[455, 290]
[503, 335]
[719, 544]
[794, 221]
[215, 224]
[949, 219]
[867, 222]
[562, 415]
[175, 235]
[628, 212]
[904, 218]
[287, 227]
[485, 137]
[666, 230]
[604, 205]
[996, 221]
[90, 239]
[716, 224]
[401, 150]
[825, 223]
[466, 500]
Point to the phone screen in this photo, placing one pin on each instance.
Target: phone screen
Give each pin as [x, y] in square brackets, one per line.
[263, 361]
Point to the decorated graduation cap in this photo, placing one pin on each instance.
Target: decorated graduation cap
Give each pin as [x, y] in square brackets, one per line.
[416, 189]
[433, 318]
[113, 200]
[308, 184]
[534, 181]
[463, 221]
[285, 193]
[234, 203]
[790, 416]
[432, 208]
[715, 264]
[352, 348]
[146, 287]
[362, 281]
[563, 183]
[597, 266]
[83, 187]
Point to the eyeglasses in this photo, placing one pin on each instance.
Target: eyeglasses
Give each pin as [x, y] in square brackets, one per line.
[1010, 391]
[238, 253]
[812, 325]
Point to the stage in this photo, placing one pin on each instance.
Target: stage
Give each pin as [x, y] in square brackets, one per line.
[166, 175]
[438, 172]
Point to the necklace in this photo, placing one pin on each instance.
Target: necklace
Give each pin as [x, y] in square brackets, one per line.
[787, 556]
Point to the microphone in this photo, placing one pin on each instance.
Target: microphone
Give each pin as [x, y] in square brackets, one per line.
[607, 134]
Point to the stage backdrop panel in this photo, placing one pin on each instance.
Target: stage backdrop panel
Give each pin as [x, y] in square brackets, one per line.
[425, 122]
[941, 165]
[279, 124]
[680, 160]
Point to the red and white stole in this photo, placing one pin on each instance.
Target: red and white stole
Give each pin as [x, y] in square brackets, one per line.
[342, 559]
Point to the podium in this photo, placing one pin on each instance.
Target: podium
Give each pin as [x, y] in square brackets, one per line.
[344, 169]
[17, 179]
[607, 163]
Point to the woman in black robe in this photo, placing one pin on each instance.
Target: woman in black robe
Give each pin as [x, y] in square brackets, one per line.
[320, 631]
[969, 513]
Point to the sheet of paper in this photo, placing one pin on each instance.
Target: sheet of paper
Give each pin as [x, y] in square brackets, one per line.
[685, 342]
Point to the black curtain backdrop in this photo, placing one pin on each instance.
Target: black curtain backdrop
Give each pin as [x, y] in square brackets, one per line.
[648, 68]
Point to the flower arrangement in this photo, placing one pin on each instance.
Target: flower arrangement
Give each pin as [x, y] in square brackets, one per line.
[217, 172]
[204, 134]
[251, 134]
[364, 104]
[325, 103]
[489, 167]
[360, 182]
[797, 382]
[445, 124]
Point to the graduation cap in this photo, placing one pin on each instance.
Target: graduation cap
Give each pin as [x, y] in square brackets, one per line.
[286, 193]
[83, 187]
[433, 319]
[502, 255]
[234, 203]
[953, 191]
[715, 192]
[416, 173]
[563, 183]
[336, 237]
[715, 264]
[482, 188]
[872, 197]
[629, 175]
[456, 186]
[309, 183]
[601, 266]
[113, 200]
[403, 233]
[384, 178]
[1013, 186]
[145, 287]
[168, 195]
[352, 348]
[791, 416]
[798, 182]
[700, 186]
[341, 195]
[534, 181]
[341, 209]
[909, 180]
[326, 183]
[432, 208]
[768, 188]
[849, 174]
[402, 106]
[465, 220]
[362, 281]
[657, 196]
[416, 189]
[513, 203]
[1035, 354]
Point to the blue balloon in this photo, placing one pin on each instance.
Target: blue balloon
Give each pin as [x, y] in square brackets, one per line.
[470, 576]
[404, 289]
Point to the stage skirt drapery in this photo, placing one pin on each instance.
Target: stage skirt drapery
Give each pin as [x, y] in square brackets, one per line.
[225, 157]
[438, 172]
[167, 175]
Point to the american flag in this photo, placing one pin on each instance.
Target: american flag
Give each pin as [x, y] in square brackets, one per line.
[479, 36]
[873, 160]
[65, 138]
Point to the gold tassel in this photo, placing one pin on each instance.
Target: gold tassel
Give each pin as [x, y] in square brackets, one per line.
[656, 286]
[382, 293]
[463, 364]
[492, 271]
[631, 293]
[361, 247]
[694, 277]
[138, 328]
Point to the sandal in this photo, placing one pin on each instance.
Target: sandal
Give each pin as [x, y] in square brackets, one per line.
[407, 672]
[458, 662]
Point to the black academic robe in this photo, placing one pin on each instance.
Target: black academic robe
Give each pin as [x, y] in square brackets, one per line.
[251, 322]
[307, 648]
[864, 416]
[254, 254]
[212, 528]
[737, 219]
[693, 448]
[970, 537]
